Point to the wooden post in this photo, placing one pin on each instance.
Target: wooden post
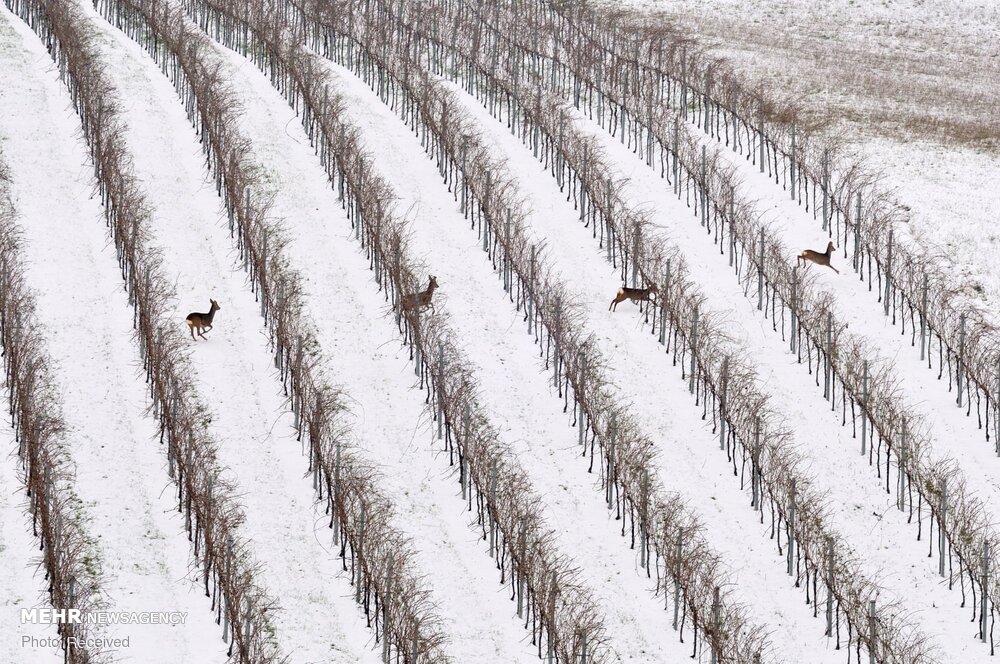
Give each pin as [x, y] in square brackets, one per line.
[760, 273]
[942, 525]
[985, 594]
[923, 318]
[829, 585]
[826, 188]
[694, 346]
[722, 403]
[795, 317]
[612, 435]
[828, 364]
[792, 165]
[791, 530]
[579, 397]
[857, 231]
[755, 463]
[677, 578]
[864, 413]
[760, 131]
[385, 611]
[871, 631]
[888, 276]
[492, 507]
[961, 358]
[901, 485]
[716, 624]
[644, 523]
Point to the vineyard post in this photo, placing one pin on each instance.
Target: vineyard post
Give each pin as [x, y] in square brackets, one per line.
[645, 517]
[760, 131]
[760, 273]
[941, 526]
[485, 226]
[611, 212]
[857, 230]
[360, 550]
[888, 275]
[732, 224]
[826, 185]
[415, 647]
[791, 529]
[663, 316]
[247, 613]
[677, 149]
[792, 164]
[716, 624]
[871, 632]
[465, 163]
[336, 494]
[754, 473]
[417, 361]
[522, 547]
[828, 363]
[704, 185]
[677, 577]
[996, 412]
[795, 316]
[984, 604]
[864, 409]
[583, 189]
[440, 391]
[385, 611]
[225, 598]
[684, 91]
[722, 403]
[961, 358]
[531, 290]
[580, 397]
[552, 616]
[612, 435]
[506, 256]
[923, 319]
[493, 498]
[583, 647]
[829, 585]
[636, 249]
[901, 485]
[694, 346]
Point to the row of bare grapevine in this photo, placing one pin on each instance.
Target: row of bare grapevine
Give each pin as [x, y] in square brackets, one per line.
[45, 462]
[204, 495]
[382, 561]
[938, 482]
[907, 641]
[555, 599]
[913, 280]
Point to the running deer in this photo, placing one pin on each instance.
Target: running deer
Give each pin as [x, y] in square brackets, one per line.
[202, 322]
[421, 300]
[637, 295]
[818, 258]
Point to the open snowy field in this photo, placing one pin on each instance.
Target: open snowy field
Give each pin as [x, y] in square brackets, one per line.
[414, 430]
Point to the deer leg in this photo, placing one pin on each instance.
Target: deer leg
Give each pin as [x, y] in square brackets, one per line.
[833, 268]
[191, 330]
[201, 333]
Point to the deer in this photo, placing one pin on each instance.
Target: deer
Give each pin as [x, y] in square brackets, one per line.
[202, 322]
[420, 300]
[637, 295]
[818, 258]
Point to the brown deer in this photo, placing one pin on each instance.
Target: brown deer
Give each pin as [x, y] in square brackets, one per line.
[202, 322]
[422, 299]
[818, 258]
[637, 295]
